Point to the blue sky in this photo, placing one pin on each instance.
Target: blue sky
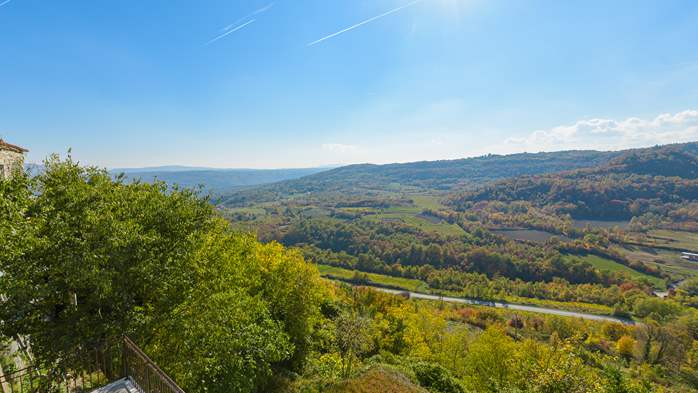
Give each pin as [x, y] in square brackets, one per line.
[147, 82]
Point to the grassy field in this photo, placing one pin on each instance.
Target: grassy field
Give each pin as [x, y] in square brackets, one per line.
[380, 279]
[679, 239]
[609, 265]
[247, 210]
[532, 235]
[669, 261]
[426, 201]
[599, 224]
[411, 215]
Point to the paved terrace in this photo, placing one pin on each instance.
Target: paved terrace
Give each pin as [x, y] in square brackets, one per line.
[123, 385]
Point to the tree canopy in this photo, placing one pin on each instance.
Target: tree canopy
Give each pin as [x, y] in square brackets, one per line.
[88, 258]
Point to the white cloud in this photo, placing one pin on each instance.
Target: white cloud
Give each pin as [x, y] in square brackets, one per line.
[611, 134]
[339, 148]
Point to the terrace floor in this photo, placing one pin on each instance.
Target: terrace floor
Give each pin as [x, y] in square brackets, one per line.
[123, 385]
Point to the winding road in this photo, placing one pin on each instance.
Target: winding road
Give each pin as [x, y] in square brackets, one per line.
[510, 306]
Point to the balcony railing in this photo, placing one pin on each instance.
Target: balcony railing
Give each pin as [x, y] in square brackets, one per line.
[99, 369]
[144, 372]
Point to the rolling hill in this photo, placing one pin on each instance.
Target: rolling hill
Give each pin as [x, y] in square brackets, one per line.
[638, 181]
[440, 176]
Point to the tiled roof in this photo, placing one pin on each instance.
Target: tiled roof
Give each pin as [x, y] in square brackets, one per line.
[7, 146]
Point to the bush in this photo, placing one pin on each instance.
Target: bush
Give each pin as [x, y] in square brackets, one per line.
[436, 378]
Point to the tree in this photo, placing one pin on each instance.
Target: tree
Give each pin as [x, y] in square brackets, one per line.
[690, 287]
[107, 258]
[489, 363]
[614, 330]
[657, 309]
[625, 347]
[436, 378]
[353, 337]
[662, 344]
[87, 259]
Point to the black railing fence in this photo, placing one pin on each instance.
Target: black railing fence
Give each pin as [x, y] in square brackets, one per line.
[144, 372]
[97, 368]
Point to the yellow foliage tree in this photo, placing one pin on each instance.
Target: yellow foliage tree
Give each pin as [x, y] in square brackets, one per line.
[625, 346]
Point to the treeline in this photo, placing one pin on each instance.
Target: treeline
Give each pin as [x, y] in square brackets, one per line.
[400, 250]
[480, 286]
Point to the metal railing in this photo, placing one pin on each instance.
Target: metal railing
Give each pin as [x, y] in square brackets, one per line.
[98, 369]
[147, 376]
[36, 380]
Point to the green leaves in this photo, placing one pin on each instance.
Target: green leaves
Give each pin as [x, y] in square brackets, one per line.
[87, 259]
[225, 342]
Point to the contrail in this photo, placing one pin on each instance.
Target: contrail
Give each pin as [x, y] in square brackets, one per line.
[251, 14]
[364, 22]
[5, 2]
[229, 32]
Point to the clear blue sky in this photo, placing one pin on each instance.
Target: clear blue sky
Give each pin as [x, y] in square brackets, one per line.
[147, 82]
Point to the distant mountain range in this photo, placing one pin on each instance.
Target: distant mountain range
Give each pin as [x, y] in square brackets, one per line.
[211, 179]
[215, 180]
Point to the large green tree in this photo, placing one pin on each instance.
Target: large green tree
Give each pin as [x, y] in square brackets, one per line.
[87, 259]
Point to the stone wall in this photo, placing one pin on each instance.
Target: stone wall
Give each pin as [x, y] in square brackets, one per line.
[9, 161]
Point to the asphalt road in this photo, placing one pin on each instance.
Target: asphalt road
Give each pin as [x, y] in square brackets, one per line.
[510, 306]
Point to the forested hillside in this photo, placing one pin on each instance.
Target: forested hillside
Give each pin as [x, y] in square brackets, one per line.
[657, 180]
[416, 176]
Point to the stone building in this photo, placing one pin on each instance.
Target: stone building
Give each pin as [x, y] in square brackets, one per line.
[11, 159]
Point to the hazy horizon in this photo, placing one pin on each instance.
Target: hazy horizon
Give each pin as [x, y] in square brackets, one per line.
[178, 167]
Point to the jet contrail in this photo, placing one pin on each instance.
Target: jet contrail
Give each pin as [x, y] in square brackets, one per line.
[364, 22]
[229, 32]
[5, 2]
[251, 14]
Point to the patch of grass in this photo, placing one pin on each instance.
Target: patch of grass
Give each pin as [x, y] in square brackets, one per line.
[531, 235]
[427, 201]
[315, 212]
[248, 210]
[612, 266]
[589, 308]
[377, 379]
[380, 279]
[411, 215]
[678, 239]
[357, 209]
[427, 225]
[668, 261]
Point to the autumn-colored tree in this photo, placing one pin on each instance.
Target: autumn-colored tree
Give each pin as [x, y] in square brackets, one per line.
[625, 347]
